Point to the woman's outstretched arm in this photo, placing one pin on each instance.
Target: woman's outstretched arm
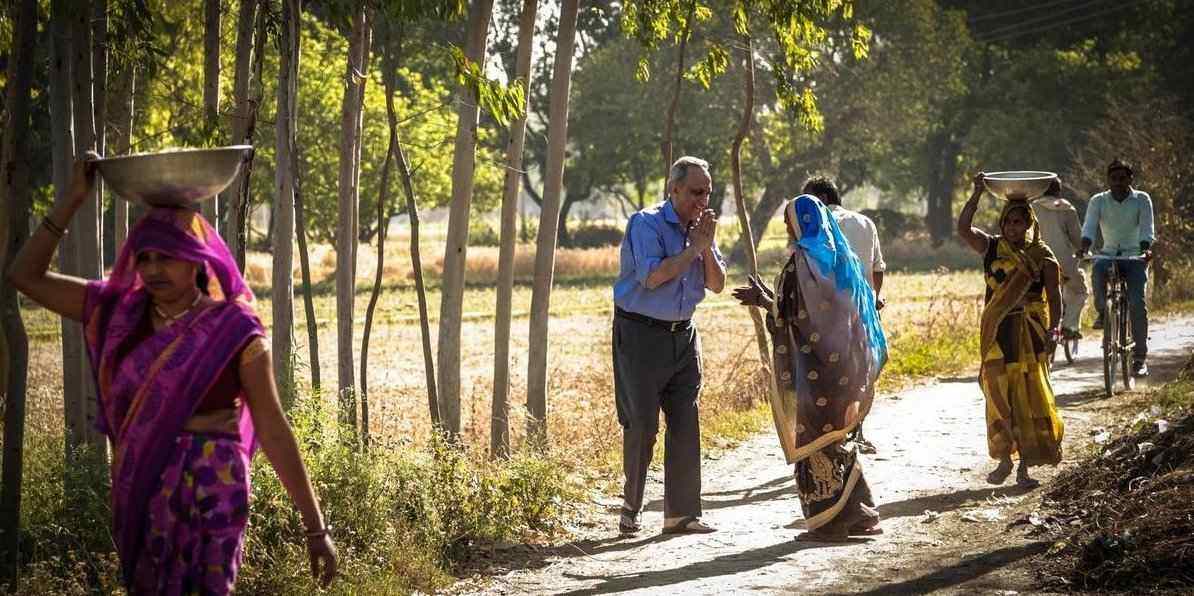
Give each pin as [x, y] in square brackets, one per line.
[972, 236]
[30, 271]
[277, 440]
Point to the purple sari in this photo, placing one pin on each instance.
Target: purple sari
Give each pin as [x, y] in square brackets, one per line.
[150, 386]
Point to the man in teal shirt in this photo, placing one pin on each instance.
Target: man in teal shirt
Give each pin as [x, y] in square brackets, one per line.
[1124, 215]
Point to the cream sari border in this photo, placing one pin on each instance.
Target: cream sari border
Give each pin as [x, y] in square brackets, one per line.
[826, 516]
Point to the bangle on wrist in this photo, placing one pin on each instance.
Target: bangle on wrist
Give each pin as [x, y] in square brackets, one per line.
[324, 531]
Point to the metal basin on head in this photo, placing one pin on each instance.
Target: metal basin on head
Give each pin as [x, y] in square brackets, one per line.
[1020, 184]
[173, 178]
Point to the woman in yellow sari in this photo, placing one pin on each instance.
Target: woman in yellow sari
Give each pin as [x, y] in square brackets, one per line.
[1019, 326]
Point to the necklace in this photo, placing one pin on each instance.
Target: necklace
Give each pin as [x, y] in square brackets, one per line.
[171, 318]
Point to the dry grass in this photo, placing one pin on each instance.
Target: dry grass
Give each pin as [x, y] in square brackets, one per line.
[926, 316]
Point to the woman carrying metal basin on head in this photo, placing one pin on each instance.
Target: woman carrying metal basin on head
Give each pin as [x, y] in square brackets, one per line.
[1019, 326]
[185, 382]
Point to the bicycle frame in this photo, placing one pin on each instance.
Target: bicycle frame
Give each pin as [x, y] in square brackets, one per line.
[1117, 332]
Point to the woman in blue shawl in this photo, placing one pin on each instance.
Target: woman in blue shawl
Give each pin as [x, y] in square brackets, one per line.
[828, 349]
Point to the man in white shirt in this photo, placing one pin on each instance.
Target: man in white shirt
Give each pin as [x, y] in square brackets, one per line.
[858, 229]
[1062, 232]
[1124, 216]
[863, 237]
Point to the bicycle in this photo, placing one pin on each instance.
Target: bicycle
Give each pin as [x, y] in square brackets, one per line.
[1068, 345]
[1117, 331]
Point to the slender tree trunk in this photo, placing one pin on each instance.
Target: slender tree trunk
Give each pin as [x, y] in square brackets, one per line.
[300, 219]
[240, 221]
[456, 247]
[120, 126]
[240, 117]
[499, 423]
[14, 231]
[347, 223]
[545, 247]
[752, 260]
[63, 141]
[283, 220]
[669, 123]
[85, 226]
[211, 90]
[416, 260]
[388, 70]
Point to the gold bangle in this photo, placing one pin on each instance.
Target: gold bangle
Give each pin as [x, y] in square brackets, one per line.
[52, 227]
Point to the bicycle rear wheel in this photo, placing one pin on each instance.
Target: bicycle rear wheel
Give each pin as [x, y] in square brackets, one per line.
[1110, 348]
[1125, 340]
[1071, 349]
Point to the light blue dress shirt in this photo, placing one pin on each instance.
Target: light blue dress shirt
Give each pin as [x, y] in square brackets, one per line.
[1124, 224]
[653, 235]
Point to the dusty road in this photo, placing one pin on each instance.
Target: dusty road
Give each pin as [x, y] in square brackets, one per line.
[945, 527]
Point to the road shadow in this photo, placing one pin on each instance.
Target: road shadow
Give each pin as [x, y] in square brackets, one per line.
[529, 557]
[967, 379]
[942, 502]
[782, 487]
[730, 564]
[959, 573]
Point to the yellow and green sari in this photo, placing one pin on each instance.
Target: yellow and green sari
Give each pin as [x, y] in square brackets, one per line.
[1021, 414]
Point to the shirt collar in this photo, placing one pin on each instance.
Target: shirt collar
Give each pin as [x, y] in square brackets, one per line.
[669, 212]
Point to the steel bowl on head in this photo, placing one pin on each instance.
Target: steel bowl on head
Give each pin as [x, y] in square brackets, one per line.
[1021, 184]
[173, 178]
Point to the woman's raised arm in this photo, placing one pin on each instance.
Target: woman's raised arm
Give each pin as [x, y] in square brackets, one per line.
[972, 236]
[30, 271]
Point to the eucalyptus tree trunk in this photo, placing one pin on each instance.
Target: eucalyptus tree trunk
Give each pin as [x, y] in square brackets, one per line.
[240, 221]
[283, 219]
[416, 259]
[241, 110]
[63, 152]
[211, 89]
[120, 126]
[456, 247]
[346, 238]
[545, 247]
[14, 231]
[665, 146]
[499, 421]
[300, 220]
[85, 227]
[388, 70]
[752, 260]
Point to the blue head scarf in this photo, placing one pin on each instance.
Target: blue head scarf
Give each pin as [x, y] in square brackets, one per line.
[822, 241]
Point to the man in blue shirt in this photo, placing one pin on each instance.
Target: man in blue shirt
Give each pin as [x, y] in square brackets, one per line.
[1124, 215]
[669, 258]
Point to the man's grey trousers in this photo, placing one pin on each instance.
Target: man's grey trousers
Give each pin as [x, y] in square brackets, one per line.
[656, 368]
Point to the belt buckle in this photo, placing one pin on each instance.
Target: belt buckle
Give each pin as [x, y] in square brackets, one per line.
[673, 325]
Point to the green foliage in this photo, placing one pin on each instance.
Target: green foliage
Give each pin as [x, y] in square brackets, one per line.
[66, 545]
[595, 236]
[401, 516]
[481, 233]
[503, 102]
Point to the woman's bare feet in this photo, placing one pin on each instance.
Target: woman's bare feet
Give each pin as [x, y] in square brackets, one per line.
[1000, 473]
[1022, 478]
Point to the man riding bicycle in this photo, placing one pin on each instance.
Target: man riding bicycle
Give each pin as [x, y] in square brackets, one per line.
[1062, 232]
[1124, 215]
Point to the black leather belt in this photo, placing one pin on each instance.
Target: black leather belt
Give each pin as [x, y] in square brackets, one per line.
[670, 326]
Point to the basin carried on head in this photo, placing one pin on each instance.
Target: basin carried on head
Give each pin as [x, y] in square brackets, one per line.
[1019, 184]
[173, 178]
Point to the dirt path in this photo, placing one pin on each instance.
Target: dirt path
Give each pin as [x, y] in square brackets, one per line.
[945, 527]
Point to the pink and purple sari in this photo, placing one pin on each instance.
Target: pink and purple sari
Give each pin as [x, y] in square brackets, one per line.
[179, 499]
